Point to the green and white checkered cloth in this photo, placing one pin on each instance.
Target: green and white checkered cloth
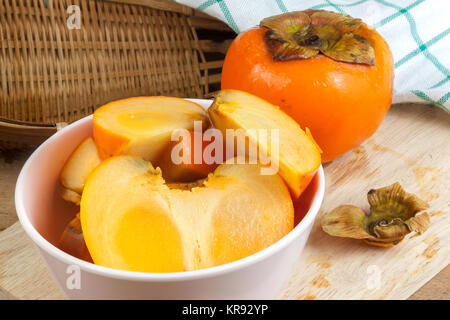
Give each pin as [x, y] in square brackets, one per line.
[417, 32]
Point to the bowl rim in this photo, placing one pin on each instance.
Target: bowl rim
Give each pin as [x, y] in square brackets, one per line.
[58, 254]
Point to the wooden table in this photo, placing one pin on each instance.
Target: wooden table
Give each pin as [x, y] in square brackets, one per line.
[11, 162]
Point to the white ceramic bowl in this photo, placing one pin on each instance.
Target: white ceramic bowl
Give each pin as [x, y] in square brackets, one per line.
[44, 215]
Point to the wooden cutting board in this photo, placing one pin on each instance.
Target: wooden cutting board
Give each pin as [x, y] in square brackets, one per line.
[412, 146]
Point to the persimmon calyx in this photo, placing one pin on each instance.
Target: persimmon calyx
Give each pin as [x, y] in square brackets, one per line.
[305, 34]
[392, 216]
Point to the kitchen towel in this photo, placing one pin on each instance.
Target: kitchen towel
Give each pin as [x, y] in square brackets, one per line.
[417, 32]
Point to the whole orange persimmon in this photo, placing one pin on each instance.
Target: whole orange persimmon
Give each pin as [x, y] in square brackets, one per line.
[330, 72]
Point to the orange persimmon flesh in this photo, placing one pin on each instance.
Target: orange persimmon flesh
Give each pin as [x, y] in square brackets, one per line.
[143, 126]
[77, 168]
[297, 154]
[132, 220]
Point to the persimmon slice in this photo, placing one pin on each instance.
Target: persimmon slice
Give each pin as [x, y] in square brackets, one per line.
[82, 161]
[76, 170]
[143, 126]
[297, 154]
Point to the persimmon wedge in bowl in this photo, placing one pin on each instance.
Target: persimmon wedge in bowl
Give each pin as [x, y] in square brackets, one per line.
[142, 126]
[294, 150]
[77, 169]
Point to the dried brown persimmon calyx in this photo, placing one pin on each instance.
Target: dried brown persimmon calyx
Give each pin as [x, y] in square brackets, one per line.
[346, 221]
[305, 34]
[393, 215]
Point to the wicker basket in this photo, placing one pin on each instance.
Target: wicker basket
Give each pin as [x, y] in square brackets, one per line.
[52, 74]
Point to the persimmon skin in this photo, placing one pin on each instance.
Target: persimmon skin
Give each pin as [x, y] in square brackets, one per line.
[341, 103]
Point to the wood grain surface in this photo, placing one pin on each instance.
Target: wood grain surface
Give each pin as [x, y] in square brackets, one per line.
[10, 164]
[412, 146]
